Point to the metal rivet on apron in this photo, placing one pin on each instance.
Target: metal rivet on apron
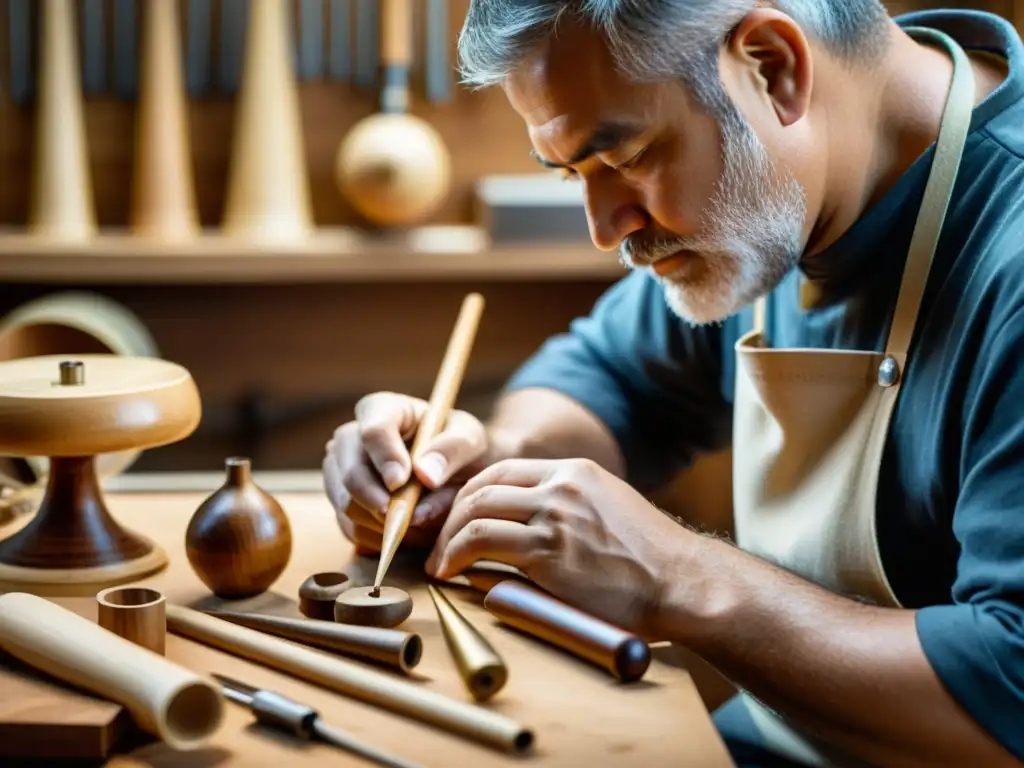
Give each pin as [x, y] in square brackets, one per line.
[888, 372]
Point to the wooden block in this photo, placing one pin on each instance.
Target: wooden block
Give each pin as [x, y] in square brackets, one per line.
[43, 718]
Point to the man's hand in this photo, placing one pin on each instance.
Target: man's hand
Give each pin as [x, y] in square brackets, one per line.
[573, 528]
[368, 458]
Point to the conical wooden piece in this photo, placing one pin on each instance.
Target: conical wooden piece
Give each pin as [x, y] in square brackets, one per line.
[392, 647]
[163, 195]
[268, 191]
[482, 670]
[61, 206]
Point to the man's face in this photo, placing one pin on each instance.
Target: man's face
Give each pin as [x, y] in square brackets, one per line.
[694, 199]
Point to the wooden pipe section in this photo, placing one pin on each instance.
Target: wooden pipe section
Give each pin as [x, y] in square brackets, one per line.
[268, 198]
[61, 205]
[163, 196]
[171, 702]
[536, 613]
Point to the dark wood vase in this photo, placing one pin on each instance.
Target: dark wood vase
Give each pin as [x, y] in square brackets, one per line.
[239, 540]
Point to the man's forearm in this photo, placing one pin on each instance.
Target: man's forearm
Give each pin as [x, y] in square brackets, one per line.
[853, 673]
[544, 424]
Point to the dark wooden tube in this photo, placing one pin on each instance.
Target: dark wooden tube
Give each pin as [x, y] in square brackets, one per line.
[391, 647]
[531, 611]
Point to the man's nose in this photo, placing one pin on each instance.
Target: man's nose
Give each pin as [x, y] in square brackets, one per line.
[612, 215]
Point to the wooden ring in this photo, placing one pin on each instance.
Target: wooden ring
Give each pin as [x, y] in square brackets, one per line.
[359, 605]
[137, 614]
[318, 593]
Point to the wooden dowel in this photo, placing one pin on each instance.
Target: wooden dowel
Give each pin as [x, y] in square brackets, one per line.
[442, 398]
[343, 676]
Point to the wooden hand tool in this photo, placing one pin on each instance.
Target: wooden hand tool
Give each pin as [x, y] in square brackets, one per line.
[177, 705]
[393, 167]
[531, 611]
[268, 197]
[163, 197]
[482, 670]
[70, 411]
[61, 205]
[391, 647]
[347, 677]
[283, 714]
[442, 399]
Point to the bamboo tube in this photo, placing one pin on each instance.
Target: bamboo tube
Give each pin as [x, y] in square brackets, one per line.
[268, 190]
[163, 196]
[343, 676]
[61, 205]
[393, 647]
[536, 613]
[442, 398]
[482, 670]
[165, 699]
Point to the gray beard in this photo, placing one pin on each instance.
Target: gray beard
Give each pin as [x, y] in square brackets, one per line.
[750, 239]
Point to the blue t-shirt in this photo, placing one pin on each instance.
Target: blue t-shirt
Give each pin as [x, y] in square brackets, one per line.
[951, 498]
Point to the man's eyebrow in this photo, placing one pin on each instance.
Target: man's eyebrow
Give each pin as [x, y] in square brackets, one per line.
[604, 137]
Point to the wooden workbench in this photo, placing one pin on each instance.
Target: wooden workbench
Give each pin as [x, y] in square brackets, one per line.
[580, 715]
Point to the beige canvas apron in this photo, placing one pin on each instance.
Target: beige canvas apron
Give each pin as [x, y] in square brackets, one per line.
[810, 426]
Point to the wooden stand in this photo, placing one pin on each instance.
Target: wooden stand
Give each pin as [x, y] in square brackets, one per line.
[70, 411]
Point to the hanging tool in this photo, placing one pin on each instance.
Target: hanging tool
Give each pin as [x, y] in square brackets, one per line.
[283, 714]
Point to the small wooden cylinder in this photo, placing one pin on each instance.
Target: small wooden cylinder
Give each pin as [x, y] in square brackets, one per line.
[531, 611]
[318, 593]
[135, 613]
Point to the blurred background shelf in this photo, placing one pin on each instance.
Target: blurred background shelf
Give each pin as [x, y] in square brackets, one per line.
[338, 254]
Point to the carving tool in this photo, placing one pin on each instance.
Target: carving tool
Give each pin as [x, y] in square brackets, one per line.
[276, 711]
[338, 63]
[350, 678]
[438, 67]
[311, 39]
[126, 57]
[200, 38]
[19, 25]
[94, 65]
[442, 398]
[482, 670]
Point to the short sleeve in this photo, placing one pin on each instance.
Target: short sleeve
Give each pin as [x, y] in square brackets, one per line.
[976, 644]
[652, 380]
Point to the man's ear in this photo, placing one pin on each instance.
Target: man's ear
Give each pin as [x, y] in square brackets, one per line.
[771, 59]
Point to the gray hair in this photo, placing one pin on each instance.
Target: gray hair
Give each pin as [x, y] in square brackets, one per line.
[653, 40]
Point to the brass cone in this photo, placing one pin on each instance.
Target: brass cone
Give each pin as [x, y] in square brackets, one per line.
[483, 671]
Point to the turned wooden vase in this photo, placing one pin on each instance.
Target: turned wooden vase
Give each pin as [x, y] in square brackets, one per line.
[239, 540]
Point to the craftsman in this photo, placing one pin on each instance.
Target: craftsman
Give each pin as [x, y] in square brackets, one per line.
[822, 280]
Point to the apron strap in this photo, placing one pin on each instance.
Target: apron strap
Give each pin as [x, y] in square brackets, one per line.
[956, 123]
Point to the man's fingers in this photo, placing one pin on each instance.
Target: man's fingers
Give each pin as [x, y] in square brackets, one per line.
[493, 502]
[504, 541]
[510, 472]
[463, 441]
[362, 517]
[384, 421]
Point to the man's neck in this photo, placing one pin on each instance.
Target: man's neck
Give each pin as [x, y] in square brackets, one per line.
[880, 133]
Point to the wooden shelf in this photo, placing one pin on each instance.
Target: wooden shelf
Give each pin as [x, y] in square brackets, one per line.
[338, 254]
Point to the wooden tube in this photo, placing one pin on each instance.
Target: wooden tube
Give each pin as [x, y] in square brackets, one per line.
[482, 670]
[531, 611]
[61, 205]
[268, 196]
[442, 398]
[163, 195]
[393, 647]
[346, 677]
[135, 613]
[169, 701]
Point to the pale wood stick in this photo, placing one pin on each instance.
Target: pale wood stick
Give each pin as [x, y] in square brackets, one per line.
[446, 390]
[177, 705]
[347, 677]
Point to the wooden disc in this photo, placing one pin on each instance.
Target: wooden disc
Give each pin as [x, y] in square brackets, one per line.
[359, 606]
[318, 593]
[109, 403]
